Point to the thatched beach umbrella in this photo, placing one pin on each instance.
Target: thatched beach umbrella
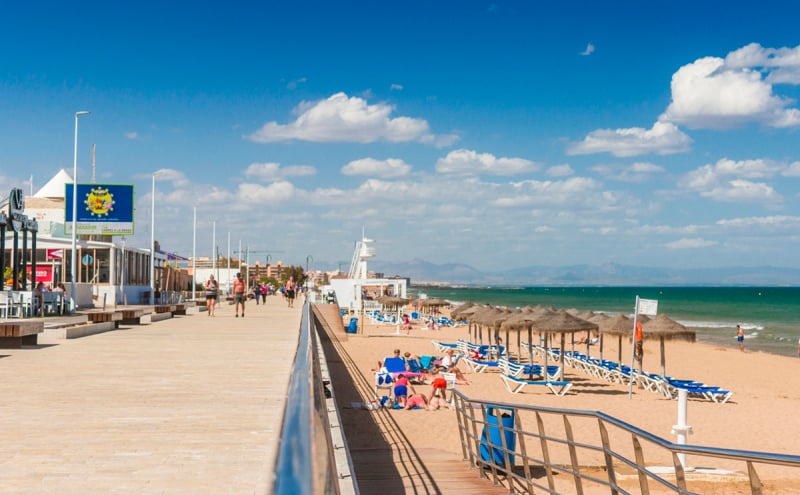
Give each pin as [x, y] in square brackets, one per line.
[618, 326]
[665, 328]
[561, 322]
[456, 312]
[429, 303]
[469, 313]
[519, 322]
[599, 318]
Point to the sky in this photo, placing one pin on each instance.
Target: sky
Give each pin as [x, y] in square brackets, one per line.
[495, 134]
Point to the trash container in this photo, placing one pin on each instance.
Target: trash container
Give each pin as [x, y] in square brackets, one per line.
[353, 327]
[507, 417]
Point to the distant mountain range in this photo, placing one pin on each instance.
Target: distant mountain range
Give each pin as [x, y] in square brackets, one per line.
[424, 272]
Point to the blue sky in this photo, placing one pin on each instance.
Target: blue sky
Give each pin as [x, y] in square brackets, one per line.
[497, 134]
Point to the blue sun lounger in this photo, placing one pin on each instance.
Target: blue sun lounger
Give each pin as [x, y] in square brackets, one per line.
[516, 385]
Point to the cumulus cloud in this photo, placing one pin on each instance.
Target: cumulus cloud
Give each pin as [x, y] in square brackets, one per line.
[588, 50]
[391, 167]
[728, 180]
[268, 172]
[768, 222]
[690, 244]
[272, 194]
[396, 87]
[469, 162]
[293, 84]
[663, 138]
[716, 93]
[560, 171]
[132, 135]
[636, 172]
[341, 118]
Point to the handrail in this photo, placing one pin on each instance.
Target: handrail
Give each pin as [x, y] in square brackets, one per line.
[489, 450]
[306, 462]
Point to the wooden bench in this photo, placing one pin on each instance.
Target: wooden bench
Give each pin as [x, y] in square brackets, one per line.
[165, 308]
[13, 335]
[180, 309]
[131, 316]
[104, 317]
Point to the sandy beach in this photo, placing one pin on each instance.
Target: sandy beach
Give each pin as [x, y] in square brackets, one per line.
[760, 416]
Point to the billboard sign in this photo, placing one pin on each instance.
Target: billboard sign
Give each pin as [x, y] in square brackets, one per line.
[44, 273]
[103, 209]
[55, 253]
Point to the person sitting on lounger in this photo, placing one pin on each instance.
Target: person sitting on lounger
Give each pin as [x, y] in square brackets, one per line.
[449, 363]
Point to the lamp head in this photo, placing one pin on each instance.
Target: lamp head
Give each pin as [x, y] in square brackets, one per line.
[84, 112]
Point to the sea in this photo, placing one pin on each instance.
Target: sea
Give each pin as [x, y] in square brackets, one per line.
[770, 316]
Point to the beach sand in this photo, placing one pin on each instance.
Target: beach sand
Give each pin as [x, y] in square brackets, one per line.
[762, 415]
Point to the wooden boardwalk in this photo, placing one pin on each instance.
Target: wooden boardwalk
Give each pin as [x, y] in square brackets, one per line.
[393, 466]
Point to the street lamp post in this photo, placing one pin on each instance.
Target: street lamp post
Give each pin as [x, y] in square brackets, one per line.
[153, 242]
[73, 272]
[308, 258]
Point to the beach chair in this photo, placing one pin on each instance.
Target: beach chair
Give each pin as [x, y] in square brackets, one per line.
[516, 385]
[443, 346]
[426, 362]
[397, 365]
[384, 381]
[451, 385]
[479, 365]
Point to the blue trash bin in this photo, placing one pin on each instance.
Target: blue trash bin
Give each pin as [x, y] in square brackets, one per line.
[507, 417]
[353, 327]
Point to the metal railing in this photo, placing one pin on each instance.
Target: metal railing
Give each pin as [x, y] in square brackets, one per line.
[556, 451]
[308, 460]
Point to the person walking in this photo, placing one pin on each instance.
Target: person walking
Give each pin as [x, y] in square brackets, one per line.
[291, 288]
[256, 291]
[740, 337]
[239, 295]
[212, 288]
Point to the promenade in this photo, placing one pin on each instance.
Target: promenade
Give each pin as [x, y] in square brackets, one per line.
[189, 405]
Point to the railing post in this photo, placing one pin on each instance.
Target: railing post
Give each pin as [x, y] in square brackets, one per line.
[545, 451]
[573, 455]
[644, 487]
[524, 452]
[612, 476]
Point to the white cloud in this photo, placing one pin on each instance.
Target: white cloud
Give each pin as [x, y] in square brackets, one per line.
[792, 170]
[396, 87]
[716, 93]
[469, 162]
[132, 135]
[340, 118]
[726, 181]
[690, 244]
[768, 222]
[589, 50]
[663, 138]
[560, 171]
[272, 194]
[296, 82]
[636, 172]
[391, 167]
[268, 172]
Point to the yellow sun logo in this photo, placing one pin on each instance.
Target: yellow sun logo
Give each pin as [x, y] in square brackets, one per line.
[99, 202]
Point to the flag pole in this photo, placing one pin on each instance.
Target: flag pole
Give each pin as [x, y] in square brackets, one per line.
[633, 347]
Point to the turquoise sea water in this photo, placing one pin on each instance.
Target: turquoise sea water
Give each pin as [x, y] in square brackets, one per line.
[770, 316]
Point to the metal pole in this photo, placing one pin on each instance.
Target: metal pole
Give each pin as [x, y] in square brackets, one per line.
[229, 260]
[73, 269]
[194, 257]
[153, 242]
[633, 348]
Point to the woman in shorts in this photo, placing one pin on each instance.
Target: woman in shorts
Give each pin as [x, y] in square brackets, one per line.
[401, 388]
[212, 287]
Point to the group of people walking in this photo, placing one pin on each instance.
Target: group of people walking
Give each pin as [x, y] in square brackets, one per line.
[239, 292]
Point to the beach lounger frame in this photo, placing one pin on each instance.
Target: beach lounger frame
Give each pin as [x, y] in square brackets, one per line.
[516, 385]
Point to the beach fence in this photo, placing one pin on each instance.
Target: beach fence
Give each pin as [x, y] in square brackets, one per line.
[312, 455]
[534, 449]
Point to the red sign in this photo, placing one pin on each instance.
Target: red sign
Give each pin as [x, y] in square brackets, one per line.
[44, 273]
[55, 254]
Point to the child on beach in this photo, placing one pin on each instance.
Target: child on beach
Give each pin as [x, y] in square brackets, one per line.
[401, 388]
[740, 337]
[438, 395]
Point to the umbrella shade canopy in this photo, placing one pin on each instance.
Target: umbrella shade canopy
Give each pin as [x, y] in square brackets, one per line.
[668, 329]
[561, 322]
[429, 303]
[520, 321]
[456, 312]
[664, 328]
[586, 315]
[393, 301]
[619, 325]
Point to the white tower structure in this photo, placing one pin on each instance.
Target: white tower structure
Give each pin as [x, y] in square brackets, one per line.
[363, 252]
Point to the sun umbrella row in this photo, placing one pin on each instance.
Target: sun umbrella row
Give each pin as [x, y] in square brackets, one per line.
[550, 321]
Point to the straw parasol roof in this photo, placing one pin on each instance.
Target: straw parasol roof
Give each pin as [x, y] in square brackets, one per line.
[393, 301]
[456, 312]
[665, 328]
[434, 302]
[561, 322]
